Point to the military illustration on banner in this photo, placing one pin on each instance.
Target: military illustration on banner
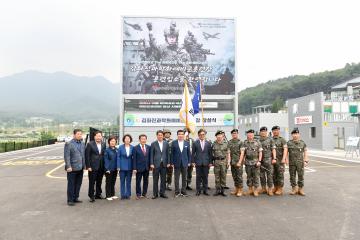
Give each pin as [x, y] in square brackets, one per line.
[159, 54]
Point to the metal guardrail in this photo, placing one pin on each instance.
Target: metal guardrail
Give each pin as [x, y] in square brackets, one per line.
[13, 146]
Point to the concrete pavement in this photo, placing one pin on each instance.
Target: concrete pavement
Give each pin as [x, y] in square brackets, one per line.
[33, 206]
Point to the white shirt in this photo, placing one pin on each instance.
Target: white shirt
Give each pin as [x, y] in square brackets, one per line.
[127, 149]
[202, 143]
[161, 145]
[99, 147]
[181, 145]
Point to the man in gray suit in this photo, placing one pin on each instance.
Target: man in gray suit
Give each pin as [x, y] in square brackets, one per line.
[74, 155]
[159, 162]
[202, 158]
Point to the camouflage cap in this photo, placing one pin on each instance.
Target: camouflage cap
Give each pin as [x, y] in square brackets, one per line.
[250, 131]
[219, 132]
[234, 131]
[275, 128]
[167, 131]
[263, 129]
[295, 130]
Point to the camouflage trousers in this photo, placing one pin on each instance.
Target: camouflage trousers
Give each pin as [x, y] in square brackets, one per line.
[252, 175]
[279, 169]
[237, 173]
[189, 174]
[296, 168]
[220, 173]
[169, 174]
[266, 174]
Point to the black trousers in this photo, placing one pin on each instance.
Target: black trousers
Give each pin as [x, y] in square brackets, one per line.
[144, 176]
[202, 174]
[183, 171]
[159, 172]
[74, 181]
[189, 174]
[95, 177]
[110, 183]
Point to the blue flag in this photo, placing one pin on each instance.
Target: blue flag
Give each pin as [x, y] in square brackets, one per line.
[196, 99]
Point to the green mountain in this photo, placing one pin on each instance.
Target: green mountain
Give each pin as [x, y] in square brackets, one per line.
[275, 92]
[60, 95]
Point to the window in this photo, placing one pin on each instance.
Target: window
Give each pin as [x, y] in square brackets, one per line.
[256, 119]
[295, 108]
[313, 132]
[250, 120]
[311, 106]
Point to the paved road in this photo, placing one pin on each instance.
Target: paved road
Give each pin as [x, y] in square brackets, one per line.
[33, 206]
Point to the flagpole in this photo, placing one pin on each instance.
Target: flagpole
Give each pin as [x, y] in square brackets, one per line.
[186, 104]
[201, 102]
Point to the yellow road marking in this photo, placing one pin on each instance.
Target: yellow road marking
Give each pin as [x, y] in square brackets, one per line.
[48, 174]
[31, 163]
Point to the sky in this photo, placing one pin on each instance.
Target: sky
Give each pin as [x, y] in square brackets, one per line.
[274, 39]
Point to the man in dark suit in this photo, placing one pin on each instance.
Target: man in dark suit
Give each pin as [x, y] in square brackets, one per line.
[94, 158]
[74, 156]
[159, 162]
[181, 160]
[141, 166]
[202, 158]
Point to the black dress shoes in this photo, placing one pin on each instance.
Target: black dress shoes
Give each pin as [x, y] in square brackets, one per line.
[198, 193]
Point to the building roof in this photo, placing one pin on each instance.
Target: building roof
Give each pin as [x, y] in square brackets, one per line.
[343, 85]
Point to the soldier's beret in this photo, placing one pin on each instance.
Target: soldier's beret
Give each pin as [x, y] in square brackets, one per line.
[263, 129]
[295, 130]
[250, 131]
[234, 130]
[218, 132]
[167, 131]
[275, 128]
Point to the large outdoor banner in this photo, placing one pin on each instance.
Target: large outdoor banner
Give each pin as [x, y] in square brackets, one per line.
[159, 54]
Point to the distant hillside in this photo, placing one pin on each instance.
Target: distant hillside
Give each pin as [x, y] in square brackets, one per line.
[277, 91]
[59, 94]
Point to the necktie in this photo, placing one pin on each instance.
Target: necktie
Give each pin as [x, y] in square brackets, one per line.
[143, 149]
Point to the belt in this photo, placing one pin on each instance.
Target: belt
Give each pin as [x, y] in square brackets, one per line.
[220, 159]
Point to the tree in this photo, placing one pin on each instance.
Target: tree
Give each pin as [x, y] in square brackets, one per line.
[277, 104]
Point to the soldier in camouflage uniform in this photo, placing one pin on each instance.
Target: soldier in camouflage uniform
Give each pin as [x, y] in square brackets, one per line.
[221, 156]
[236, 170]
[297, 160]
[251, 154]
[279, 166]
[227, 167]
[268, 159]
[169, 173]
